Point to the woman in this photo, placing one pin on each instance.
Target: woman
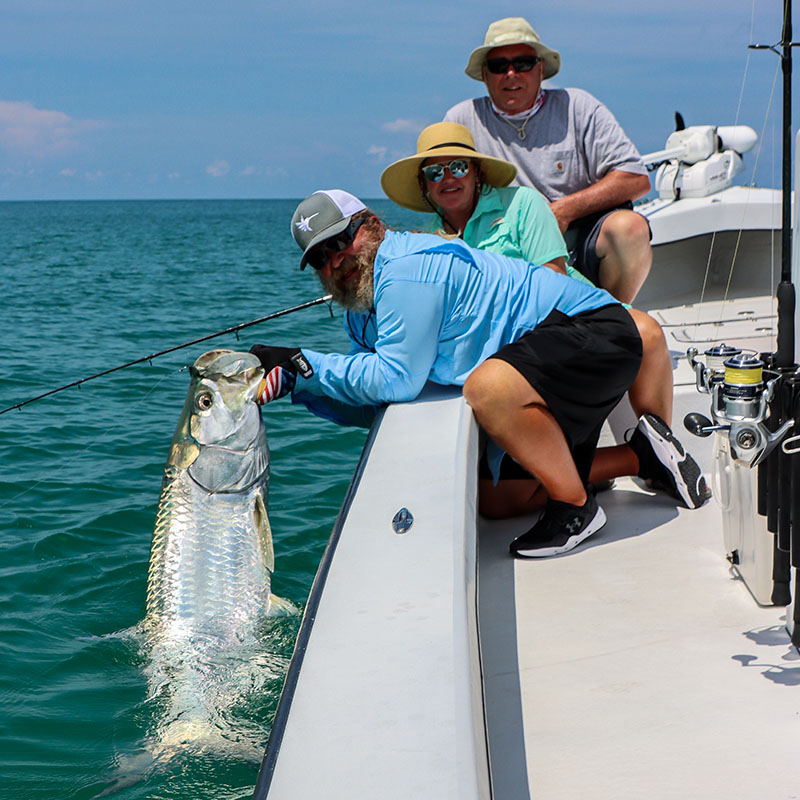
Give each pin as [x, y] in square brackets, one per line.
[464, 188]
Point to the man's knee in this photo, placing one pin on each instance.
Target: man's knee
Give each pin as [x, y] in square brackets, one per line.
[480, 389]
[495, 387]
[624, 229]
[651, 332]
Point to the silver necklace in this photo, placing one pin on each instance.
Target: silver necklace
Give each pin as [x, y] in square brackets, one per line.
[521, 129]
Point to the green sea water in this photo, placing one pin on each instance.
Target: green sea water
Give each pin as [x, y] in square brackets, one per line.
[85, 286]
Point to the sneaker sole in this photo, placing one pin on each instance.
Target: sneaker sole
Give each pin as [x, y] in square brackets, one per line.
[597, 522]
[690, 484]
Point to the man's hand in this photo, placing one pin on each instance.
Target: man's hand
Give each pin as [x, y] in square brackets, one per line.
[560, 212]
[610, 192]
[281, 365]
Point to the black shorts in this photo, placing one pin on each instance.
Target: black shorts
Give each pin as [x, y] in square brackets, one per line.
[581, 238]
[581, 366]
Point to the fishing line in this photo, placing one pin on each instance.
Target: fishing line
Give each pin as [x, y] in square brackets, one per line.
[234, 329]
[752, 177]
[68, 462]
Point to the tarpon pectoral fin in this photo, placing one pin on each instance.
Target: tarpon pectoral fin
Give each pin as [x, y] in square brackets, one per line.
[261, 521]
[278, 607]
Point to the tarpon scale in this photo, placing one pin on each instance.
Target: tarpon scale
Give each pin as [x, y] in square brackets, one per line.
[211, 557]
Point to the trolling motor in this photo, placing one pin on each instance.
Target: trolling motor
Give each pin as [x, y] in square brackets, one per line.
[699, 160]
[740, 402]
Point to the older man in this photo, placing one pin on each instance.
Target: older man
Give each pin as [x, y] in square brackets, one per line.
[542, 358]
[566, 144]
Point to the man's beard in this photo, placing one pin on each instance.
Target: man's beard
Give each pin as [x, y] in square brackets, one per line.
[359, 295]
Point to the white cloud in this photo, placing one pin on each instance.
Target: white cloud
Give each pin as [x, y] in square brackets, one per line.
[404, 126]
[67, 172]
[219, 168]
[174, 176]
[31, 131]
[377, 150]
[249, 170]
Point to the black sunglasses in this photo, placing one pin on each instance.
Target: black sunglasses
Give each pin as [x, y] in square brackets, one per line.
[499, 66]
[458, 167]
[318, 256]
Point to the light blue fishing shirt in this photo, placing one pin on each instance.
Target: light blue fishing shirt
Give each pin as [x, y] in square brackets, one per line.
[441, 308]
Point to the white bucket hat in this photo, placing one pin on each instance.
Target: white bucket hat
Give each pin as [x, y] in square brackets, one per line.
[512, 30]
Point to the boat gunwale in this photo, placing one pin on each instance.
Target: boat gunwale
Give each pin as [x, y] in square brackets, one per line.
[269, 760]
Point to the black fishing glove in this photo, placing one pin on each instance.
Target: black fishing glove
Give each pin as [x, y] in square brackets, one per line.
[281, 366]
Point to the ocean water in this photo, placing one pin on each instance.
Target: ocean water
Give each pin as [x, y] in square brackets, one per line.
[85, 286]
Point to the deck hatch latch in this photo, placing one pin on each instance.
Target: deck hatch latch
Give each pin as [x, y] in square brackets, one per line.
[402, 521]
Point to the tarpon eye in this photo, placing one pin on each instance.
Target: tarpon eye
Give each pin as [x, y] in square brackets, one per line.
[204, 401]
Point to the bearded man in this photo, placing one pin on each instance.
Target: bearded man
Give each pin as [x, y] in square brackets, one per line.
[542, 358]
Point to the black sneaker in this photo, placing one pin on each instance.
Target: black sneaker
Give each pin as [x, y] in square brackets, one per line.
[560, 528]
[664, 462]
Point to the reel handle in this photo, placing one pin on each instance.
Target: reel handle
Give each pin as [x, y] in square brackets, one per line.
[701, 426]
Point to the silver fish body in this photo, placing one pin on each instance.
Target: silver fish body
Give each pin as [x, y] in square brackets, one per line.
[211, 555]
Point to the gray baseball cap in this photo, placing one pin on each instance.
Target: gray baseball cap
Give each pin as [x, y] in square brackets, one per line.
[322, 215]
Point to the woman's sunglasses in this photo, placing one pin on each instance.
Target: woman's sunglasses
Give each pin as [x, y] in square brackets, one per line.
[458, 167]
[319, 255]
[499, 66]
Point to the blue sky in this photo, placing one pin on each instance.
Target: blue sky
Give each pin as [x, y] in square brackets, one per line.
[164, 99]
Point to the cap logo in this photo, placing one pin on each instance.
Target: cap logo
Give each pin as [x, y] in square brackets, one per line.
[303, 223]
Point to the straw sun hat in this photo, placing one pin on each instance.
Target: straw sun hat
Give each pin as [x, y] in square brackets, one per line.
[400, 180]
[512, 30]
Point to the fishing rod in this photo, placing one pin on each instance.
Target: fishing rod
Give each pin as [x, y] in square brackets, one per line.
[779, 475]
[233, 329]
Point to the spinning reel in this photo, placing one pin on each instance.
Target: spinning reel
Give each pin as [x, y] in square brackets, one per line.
[740, 399]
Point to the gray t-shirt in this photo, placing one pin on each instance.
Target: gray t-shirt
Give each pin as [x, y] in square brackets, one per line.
[571, 142]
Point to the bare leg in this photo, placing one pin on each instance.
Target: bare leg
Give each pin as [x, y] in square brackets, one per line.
[510, 498]
[613, 462]
[515, 415]
[623, 247]
[651, 392]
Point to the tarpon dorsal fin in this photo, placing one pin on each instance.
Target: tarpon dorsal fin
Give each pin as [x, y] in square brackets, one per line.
[261, 521]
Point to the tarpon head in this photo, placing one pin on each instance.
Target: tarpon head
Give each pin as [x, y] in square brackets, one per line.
[220, 438]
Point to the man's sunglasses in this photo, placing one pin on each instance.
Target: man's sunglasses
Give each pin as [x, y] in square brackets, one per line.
[319, 255]
[458, 167]
[499, 66]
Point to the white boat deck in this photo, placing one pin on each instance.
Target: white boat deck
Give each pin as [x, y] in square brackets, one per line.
[638, 665]
[645, 668]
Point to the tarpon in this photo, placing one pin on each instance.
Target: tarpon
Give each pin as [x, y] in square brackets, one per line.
[211, 555]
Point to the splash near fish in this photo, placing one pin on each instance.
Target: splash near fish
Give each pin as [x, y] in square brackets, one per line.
[211, 560]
